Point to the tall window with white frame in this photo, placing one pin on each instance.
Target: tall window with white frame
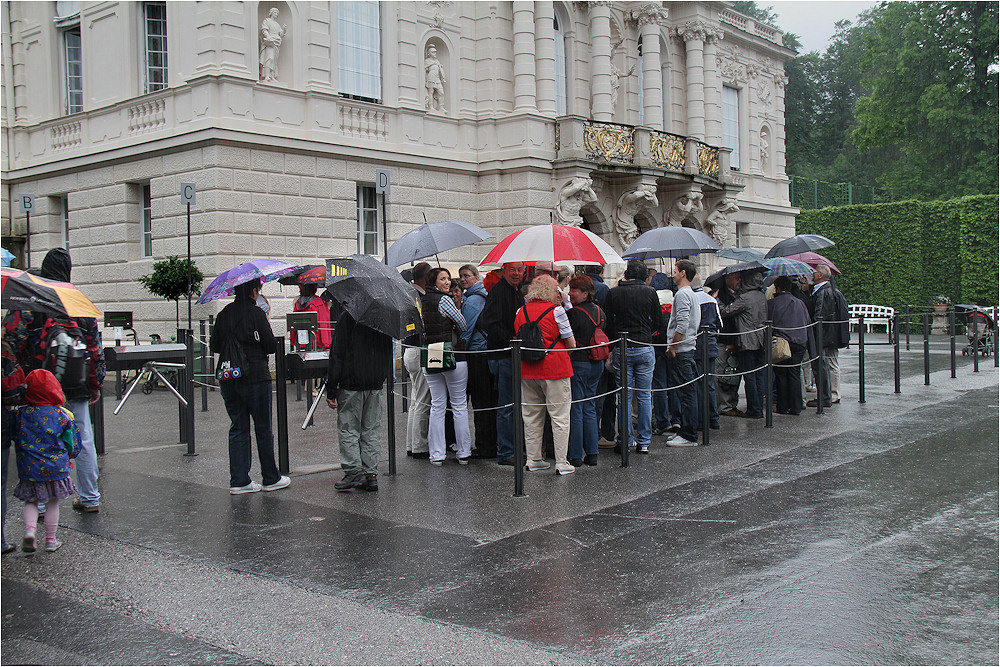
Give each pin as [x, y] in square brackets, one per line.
[64, 222]
[147, 222]
[368, 231]
[359, 50]
[155, 41]
[73, 68]
[731, 123]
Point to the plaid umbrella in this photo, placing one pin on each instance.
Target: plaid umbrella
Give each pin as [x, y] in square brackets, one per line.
[783, 266]
[266, 269]
[23, 291]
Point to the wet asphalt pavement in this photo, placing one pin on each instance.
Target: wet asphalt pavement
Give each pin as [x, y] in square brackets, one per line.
[867, 535]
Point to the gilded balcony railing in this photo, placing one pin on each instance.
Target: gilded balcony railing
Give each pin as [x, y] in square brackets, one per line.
[667, 150]
[708, 160]
[609, 142]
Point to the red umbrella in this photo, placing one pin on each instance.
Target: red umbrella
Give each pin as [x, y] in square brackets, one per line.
[813, 259]
[560, 244]
[23, 291]
[307, 275]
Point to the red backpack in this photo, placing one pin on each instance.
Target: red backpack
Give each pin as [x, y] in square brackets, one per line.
[599, 339]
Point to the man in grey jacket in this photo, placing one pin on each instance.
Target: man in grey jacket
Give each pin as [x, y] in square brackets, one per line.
[682, 332]
[750, 310]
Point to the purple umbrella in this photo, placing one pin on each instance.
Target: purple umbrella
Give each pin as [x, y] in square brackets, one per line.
[268, 269]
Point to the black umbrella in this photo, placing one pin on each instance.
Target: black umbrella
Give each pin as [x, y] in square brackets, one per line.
[670, 242]
[741, 267]
[799, 243]
[375, 295]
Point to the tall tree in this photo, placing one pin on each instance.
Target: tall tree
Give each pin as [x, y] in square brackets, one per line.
[931, 68]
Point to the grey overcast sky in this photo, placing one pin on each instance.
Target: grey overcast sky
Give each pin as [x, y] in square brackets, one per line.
[814, 21]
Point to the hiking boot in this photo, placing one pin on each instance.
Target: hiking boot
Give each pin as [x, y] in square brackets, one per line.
[371, 482]
[80, 507]
[351, 480]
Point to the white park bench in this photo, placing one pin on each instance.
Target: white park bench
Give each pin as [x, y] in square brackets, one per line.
[874, 315]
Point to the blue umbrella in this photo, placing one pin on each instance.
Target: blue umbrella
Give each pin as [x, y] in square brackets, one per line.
[783, 266]
[7, 256]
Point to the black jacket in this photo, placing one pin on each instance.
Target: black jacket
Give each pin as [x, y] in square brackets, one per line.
[360, 357]
[244, 320]
[497, 318]
[633, 310]
[831, 304]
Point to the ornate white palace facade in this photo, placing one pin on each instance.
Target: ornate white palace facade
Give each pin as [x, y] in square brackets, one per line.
[618, 116]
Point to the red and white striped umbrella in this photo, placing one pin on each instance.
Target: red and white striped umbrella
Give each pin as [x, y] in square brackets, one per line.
[560, 244]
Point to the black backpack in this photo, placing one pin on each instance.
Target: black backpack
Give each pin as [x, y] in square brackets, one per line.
[232, 359]
[62, 350]
[533, 348]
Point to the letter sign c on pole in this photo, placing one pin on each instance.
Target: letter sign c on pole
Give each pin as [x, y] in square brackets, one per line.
[382, 182]
[187, 193]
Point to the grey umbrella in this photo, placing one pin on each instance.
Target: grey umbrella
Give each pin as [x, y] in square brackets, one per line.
[799, 243]
[431, 238]
[374, 294]
[735, 268]
[670, 242]
[741, 254]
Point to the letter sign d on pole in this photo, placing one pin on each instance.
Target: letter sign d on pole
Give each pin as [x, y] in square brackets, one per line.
[382, 182]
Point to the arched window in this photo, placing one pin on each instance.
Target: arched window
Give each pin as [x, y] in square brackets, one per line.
[562, 70]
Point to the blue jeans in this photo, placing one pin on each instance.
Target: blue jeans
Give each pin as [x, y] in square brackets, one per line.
[501, 370]
[583, 415]
[246, 400]
[713, 409]
[754, 382]
[639, 374]
[86, 460]
[682, 372]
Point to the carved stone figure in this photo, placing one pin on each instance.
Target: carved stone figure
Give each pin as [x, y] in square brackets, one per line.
[629, 205]
[574, 196]
[685, 210]
[434, 81]
[616, 81]
[717, 222]
[765, 146]
[271, 35]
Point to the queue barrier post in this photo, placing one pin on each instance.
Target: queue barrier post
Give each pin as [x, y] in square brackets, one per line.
[926, 320]
[703, 350]
[861, 359]
[624, 408]
[821, 367]
[975, 343]
[390, 409]
[951, 334]
[768, 374]
[204, 356]
[895, 353]
[515, 375]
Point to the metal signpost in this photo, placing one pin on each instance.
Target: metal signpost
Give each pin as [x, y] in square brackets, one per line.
[27, 205]
[382, 181]
[188, 191]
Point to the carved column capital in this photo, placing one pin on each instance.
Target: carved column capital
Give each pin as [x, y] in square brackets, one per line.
[585, 5]
[651, 14]
[696, 30]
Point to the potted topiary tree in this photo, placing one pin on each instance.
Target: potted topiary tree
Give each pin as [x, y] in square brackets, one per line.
[169, 280]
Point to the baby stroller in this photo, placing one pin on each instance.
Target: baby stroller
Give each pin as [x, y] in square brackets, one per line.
[978, 323]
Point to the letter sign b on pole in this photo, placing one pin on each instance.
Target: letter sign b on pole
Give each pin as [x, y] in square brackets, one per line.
[27, 203]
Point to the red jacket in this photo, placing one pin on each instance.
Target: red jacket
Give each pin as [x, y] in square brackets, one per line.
[324, 334]
[556, 364]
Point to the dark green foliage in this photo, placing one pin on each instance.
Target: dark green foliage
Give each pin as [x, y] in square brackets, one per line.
[169, 280]
[907, 252]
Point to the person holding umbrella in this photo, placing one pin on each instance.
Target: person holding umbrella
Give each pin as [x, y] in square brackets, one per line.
[750, 311]
[791, 321]
[247, 397]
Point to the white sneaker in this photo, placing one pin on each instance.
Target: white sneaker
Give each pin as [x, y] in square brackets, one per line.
[565, 469]
[252, 487]
[534, 466]
[282, 482]
[681, 442]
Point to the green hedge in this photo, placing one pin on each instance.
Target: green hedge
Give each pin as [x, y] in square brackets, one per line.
[907, 252]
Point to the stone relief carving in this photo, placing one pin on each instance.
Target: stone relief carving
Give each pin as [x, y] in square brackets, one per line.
[572, 197]
[629, 204]
[764, 92]
[434, 81]
[649, 14]
[684, 210]
[271, 35]
[717, 223]
[439, 7]
[765, 147]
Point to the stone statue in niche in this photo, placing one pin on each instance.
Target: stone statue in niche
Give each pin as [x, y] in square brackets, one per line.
[271, 35]
[685, 209]
[617, 75]
[574, 196]
[434, 81]
[629, 205]
[717, 222]
[765, 145]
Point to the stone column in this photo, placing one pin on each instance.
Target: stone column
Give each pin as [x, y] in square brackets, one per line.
[778, 129]
[600, 61]
[524, 56]
[713, 89]
[650, 17]
[693, 35]
[545, 57]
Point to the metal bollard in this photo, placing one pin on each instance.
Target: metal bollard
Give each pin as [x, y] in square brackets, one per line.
[895, 352]
[204, 355]
[515, 382]
[951, 333]
[821, 367]
[768, 375]
[390, 410]
[211, 357]
[705, 403]
[927, 348]
[624, 405]
[906, 310]
[975, 343]
[861, 359]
